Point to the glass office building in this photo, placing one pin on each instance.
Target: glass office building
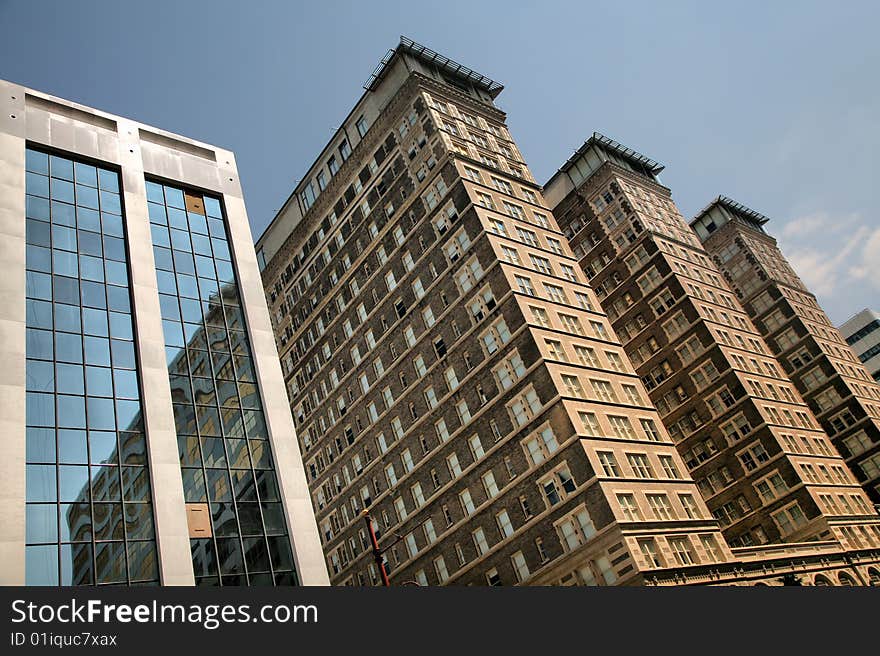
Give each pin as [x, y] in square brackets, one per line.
[147, 434]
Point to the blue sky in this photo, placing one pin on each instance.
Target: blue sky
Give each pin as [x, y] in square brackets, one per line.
[774, 104]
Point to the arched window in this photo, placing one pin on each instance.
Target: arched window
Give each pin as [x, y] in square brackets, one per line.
[821, 580]
[845, 579]
[874, 576]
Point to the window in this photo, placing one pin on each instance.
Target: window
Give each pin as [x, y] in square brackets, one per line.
[467, 503]
[440, 569]
[557, 486]
[583, 301]
[541, 264]
[540, 445]
[857, 443]
[689, 505]
[555, 350]
[344, 149]
[622, 427]
[480, 542]
[428, 317]
[485, 200]
[476, 447]
[736, 428]
[469, 274]
[400, 508]
[391, 475]
[490, 486]
[629, 508]
[710, 546]
[408, 463]
[430, 533]
[509, 371]
[556, 293]
[870, 466]
[590, 423]
[771, 488]
[431, 397]
[539, 316]
[789, 519]
[669, 468]
[361, 126]
[681, 548]
[603, 391]
[473, 174]
[752, 456]
[571, 324]
[576, 529]
[520, 567]
[525, 285]
[648, 547]
[417, 495]
[505, 526]
[609, 463]
[650, 428]
[464, 413]
[411, 547]
[410, 336]
[640, 465]
[509, 255]
[587, 356]
[525, 407]
[617, 365]
[572, 386]
[632, 394]
[659, 504]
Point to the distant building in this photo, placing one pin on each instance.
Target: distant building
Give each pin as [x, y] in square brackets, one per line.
[862, 333]
[765, 466]
[838, 389]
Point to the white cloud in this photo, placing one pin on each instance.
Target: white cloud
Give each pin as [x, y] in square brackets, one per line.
[832, 254]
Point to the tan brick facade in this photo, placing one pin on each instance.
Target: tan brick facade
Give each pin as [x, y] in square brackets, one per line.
[835, 384]
[739, 422]
[467, 388]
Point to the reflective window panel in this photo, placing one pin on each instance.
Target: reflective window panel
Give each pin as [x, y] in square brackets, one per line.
[89, 517]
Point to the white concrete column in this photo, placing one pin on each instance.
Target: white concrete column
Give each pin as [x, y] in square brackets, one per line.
[12, 334]
[303, 529]
[169, 507]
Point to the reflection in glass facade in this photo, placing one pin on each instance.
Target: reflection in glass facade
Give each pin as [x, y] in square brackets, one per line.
[225, 455]
[89, 510]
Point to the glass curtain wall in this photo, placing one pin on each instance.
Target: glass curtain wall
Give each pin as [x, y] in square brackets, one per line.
[89, 509]
[225, 456]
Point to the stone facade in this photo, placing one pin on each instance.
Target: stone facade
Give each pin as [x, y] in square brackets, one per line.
[835, 384]
[740, 424]
[451, 371]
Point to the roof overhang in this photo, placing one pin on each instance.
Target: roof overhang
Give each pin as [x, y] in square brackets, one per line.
[443, 63]
[737, 208]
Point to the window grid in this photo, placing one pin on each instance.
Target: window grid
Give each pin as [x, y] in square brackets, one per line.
[89, 508]
[225, 454]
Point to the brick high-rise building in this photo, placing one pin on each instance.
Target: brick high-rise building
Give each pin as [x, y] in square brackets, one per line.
[841, 393]
[450, 369]
[759, 456]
